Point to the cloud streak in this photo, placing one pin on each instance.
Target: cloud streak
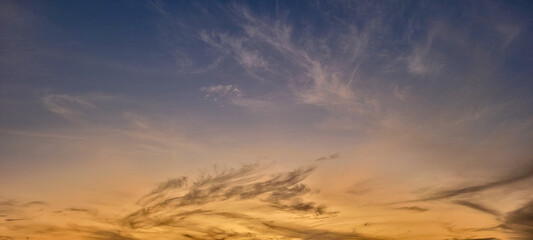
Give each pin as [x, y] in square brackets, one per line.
[477, 206]
[521, 176]
[177, 203]
[234, 203]
[520, 221]
[329, 157]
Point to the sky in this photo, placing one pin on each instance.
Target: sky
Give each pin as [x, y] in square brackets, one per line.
[129, 120]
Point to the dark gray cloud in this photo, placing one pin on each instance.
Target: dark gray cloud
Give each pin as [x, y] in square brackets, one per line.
[176, 203]
[329, 157]
[168, 185]
[36, 230]
[33, 203]
[237, 184]
[77, 210]
[528, 173]
[477, 206]
[260, 227]
[306, 233]
[11, 203]
[109, 235]
[205, 187]
[8, 206]
[17, 210]
[520, 222]
[298, 205]
[217, 233]
[7, 202]
[281, 191]
[14, 219]
[413, 208]
[490, 238]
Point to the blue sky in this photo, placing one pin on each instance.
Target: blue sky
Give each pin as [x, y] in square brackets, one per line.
[403, 101]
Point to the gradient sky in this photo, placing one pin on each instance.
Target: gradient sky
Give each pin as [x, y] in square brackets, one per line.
[266, 120]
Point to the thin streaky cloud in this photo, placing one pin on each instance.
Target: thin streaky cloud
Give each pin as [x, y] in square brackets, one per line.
[524, 175]
[477, 206]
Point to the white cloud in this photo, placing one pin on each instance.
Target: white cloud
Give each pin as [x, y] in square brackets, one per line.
[215, 92]
[326, 89]
[107, 116]
[347, 70]
[422, 60]
[508, 32]
[400, 93]
[67, 106]
[303, 65]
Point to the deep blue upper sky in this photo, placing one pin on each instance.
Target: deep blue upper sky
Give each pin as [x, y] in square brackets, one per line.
[167, 52]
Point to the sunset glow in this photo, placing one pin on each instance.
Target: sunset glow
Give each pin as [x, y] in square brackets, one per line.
[312, 120]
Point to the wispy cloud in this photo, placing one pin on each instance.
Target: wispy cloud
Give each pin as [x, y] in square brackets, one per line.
[231, 94]
[477, 206]
[237, 203]
[11, 209]
[96, 112]
[281, 191]
[413, 208]
[215, 92]
[176, 204]
[329, 157]
[520, 221]
[523, 175]
[490, 238]
[351, 68]
[69, 107]
[269, 50]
